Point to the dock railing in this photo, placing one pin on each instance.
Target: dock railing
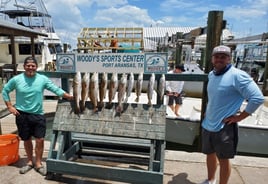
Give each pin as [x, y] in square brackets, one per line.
[65, 77]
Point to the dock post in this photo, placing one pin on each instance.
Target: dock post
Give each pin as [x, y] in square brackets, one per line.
[214, 31]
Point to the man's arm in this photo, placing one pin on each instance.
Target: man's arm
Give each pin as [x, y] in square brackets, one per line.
[67, 96]
[11, 108]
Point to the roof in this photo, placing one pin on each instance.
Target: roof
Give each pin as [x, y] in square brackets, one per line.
[162, 31]
[200, 41]
[8, 28]
[154, 35]
[24, 13]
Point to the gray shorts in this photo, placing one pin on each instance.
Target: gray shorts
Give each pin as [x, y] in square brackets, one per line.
[177, 99]
[223, 143]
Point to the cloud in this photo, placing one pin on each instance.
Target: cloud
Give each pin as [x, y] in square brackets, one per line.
[109, 3]
[70, 16]
[124, 16]
[242, 18]
[67, 18]
[73, 15]
[167, 5]
[67, 15]
[243, 13]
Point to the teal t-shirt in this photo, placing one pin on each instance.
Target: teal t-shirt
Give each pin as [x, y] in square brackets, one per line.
[29, 92]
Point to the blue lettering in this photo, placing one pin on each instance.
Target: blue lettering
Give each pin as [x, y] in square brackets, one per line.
[107, 65]
[87, 58]
[133, 58]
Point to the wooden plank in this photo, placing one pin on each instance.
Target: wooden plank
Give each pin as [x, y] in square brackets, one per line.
[128, 175]
[137, 120]
[110, 140]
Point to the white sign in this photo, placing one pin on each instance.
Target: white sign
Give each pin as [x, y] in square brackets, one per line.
[155, 63]
[113, 62]
[65, 62]
[110, 62]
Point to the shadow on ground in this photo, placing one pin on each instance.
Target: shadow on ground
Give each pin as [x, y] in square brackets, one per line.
[180, 178]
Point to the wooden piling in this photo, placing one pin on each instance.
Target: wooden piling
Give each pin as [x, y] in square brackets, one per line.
[214, 31]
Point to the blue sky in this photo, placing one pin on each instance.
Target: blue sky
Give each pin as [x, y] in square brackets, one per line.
[244, 17]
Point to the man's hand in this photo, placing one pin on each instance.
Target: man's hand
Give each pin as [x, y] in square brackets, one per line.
[13, 110]
[168, 93]
[236, 118]
[68, 96]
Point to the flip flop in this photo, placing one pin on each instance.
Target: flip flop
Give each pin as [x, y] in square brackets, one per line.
[41, 170]
[25, 169]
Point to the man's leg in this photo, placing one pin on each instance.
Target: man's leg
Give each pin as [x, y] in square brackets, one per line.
[171, 103]
[225, 170]
[178, 102]
[172, 108]
[28, 146]
[39, 148]
[212, 162]
[176, 110]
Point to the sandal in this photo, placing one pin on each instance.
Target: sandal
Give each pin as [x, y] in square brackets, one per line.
[25, 169]
[41, 170]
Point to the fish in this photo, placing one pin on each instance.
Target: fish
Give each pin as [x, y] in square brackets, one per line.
[103, 88]
[130, 86]
[85, 90]
[121, 92]
[162, 87]
[113, 85]
[94, 90]
[77, 92]
[139, 86]
[150, 89]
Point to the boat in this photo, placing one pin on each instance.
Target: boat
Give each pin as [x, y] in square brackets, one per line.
[32, 15]
[184, 129]
[193, 88]
[253, 131]
[252, 58]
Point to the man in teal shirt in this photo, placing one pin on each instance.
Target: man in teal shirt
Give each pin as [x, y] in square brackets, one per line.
[28, 109]
[227, 88]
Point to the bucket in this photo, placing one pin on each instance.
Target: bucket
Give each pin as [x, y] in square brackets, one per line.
[9, 149]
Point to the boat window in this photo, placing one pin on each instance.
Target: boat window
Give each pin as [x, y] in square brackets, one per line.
[55, 48]
[25, 49]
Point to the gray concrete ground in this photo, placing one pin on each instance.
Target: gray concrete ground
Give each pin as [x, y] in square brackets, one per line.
[179, 167]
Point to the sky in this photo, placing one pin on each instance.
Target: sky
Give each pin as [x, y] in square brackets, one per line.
[244, 17]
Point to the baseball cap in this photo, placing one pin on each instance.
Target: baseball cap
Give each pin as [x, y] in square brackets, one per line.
[222, 50]
[181, 67]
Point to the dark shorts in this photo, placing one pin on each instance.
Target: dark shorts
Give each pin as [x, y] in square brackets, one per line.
[31, 125]
[177, 99]
[223, 143]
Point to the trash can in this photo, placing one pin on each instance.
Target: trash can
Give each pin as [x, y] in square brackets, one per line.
[9, 149]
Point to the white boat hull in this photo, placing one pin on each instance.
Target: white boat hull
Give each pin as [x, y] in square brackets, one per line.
[182, 131]
[253, 131]
[253, 140]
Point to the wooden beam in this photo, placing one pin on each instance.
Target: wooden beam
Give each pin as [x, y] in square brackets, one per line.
[265, 77]
[5, 31]
[13, 50]
[32, 46]
[214, 32]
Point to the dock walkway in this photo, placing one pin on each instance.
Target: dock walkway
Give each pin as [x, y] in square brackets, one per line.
[179, 167]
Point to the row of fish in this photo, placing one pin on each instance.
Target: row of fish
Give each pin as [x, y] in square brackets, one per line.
[90, 87]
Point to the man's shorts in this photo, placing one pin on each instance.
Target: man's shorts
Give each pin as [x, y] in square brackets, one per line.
[224, 142]
[31, 125]
[177, 99]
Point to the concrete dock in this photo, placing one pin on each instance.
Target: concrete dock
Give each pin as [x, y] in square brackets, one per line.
[179, 168]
